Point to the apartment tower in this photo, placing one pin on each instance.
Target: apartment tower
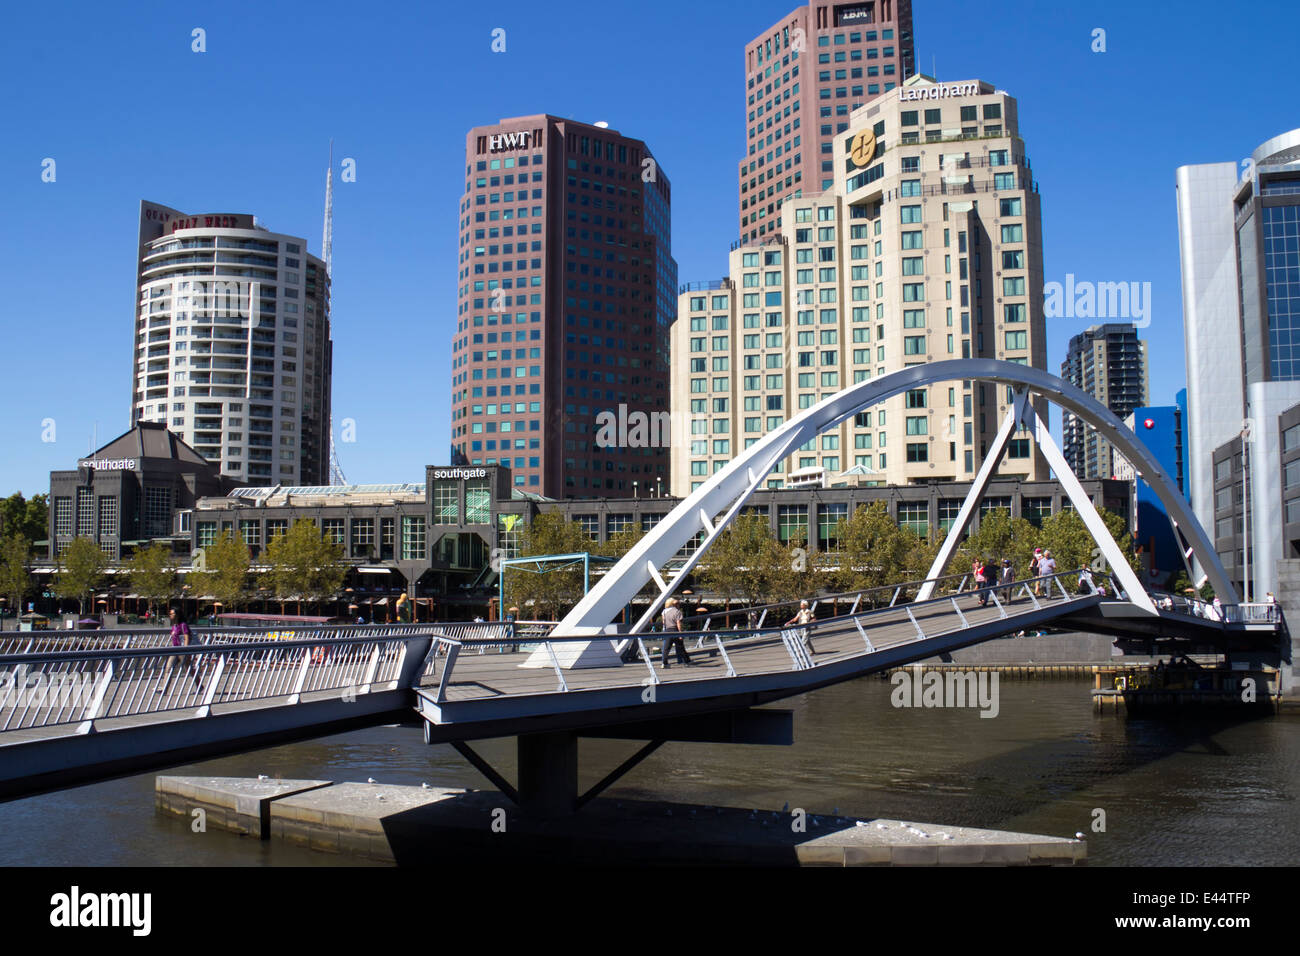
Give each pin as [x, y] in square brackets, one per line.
[1109, 362]
[232, 344]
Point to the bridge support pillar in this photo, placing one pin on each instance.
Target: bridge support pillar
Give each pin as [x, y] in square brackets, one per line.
[548, 774]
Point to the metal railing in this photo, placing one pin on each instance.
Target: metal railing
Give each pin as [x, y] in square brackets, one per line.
[52, 641]
[462, 667]
[83, 688]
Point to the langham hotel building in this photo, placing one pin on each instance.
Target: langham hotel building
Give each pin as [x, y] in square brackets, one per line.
[927, 247]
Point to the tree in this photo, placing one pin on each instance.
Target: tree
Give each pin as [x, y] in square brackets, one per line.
[225, 573]
[551, 589]
[998, 536]
[153, 573]
[28, 517]
[304, 565]
[15, 552]
[873, 551]
[80, 569]
[745, 561]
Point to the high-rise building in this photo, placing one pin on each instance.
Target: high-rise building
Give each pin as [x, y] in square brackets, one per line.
[232, 344]
[1239, 232]
[566, 293]
[1109, 362]
[1161, 429]
[927, 247]
[804, 76]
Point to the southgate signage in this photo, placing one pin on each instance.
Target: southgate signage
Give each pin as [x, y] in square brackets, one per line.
[938, 92]
[499, 142]
[110, 464]
[460, 473]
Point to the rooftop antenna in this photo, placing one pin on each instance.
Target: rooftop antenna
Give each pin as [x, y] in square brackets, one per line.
[327, 237]
[336, 476]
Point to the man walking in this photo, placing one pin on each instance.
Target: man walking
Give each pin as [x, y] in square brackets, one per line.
[672, 623]
[803, 618]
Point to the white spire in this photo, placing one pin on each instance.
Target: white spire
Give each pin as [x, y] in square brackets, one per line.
[327, 238]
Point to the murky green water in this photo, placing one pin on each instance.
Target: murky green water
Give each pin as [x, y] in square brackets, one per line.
[1184, 792]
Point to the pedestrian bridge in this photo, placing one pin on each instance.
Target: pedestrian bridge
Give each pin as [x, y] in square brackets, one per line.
[76, 707]
[112, 704]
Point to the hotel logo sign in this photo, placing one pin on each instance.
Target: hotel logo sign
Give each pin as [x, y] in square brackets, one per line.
[500, 142]
[938, 92]
[862, 149]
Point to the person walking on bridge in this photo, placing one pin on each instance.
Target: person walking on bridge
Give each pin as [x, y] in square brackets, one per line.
[1005, 577]
[803, 618]
[180, 637]
[672, 623]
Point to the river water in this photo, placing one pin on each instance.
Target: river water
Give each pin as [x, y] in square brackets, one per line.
[1174, 792]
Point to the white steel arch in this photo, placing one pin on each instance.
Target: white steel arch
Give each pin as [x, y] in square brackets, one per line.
[727, 490]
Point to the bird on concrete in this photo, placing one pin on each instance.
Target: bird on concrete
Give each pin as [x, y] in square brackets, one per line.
[424, 786]
[371, 780]
[262, 776]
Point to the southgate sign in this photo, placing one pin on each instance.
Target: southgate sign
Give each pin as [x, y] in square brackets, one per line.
[110, 464]
[460, 473]
[938, 92]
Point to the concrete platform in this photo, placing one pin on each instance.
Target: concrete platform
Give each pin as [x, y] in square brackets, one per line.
[238, 804]
[419, 827]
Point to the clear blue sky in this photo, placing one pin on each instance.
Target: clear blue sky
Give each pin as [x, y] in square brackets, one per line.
[114, 94]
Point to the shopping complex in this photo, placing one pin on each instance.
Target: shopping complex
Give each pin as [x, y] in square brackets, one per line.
[440, 540]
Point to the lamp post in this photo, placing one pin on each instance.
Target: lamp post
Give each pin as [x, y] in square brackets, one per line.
[634, 494]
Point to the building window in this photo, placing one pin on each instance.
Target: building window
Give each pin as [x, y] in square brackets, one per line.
[413, 537]
[387, 537]
[205, 533]
[478, 501]
[107, 517]
[914, 516]
[332, 529]
[157, 511]
[251, 532]
[828, 518]
[446, 502]
[792, 523]
[85, 513]
[275, 528]
[363, 536]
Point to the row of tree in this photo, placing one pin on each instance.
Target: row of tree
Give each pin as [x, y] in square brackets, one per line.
[302, 566]
[750, 565]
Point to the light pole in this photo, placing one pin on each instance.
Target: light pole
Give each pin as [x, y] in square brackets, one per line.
[634, 489]
[659, 486]
[1246, 439]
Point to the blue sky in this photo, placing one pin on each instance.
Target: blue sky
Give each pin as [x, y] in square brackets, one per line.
[115, 95]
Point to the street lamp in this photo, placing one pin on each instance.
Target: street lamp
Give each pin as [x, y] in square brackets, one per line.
[634, 489]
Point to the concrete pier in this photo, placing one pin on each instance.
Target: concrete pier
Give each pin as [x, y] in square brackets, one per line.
[240, 805]
[417, 826]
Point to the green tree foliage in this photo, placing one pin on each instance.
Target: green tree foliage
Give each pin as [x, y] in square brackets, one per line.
[550, 590]
[304, 565]
[1063, 533]
[15, 581]
[80, 570]
[28, 517]
[748, 563]
[153, 574]
[999, 536]
[874, 551]
[225, 574]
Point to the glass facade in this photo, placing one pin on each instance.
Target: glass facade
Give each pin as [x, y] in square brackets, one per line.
[1281, 261]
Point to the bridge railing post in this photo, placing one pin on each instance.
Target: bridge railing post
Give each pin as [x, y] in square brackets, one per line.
[731, 671]
[559, 671]
[296, 694]
[97, 702]
[1002, 612]
[920, 634]
[453, 651]
[214, 680]
[645, 656]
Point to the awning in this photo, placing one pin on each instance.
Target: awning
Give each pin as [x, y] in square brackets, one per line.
[374, 570]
